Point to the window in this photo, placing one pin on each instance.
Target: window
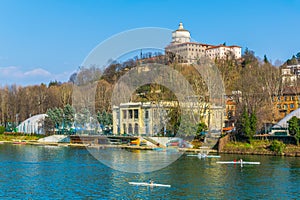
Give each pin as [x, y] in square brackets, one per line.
[293, 98]
[130, 129]
[130, 114]
[147, 114]
[285, 106]
[147, 129]
[292, 105]
[136, 129]
[136, 114]
[124, 128]
[124, 114]
[278, 106]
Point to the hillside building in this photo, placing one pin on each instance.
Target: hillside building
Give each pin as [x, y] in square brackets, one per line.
[290, 73]
[189, 52]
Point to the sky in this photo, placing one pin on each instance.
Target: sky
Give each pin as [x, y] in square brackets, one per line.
[48, 40]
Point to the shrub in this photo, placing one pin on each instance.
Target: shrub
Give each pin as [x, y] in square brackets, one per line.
[2, 129]
[277, 146]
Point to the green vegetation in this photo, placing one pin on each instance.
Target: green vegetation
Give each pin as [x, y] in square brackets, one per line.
[260, 147]
[2, 129]
[19, 137]
[59, 118]
[277, 146]
[104, 118]
[248, 124]
[294, 128]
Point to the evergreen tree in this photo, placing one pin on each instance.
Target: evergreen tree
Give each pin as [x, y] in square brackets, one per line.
[298, 57]
[104, 118]
[246, 126]
[201, 127]
[69, 114]
[266, 59]
[294, 128]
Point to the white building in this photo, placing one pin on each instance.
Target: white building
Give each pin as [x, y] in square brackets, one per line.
[150, 118]
[137, 118]
[290, 73]
[188, 51]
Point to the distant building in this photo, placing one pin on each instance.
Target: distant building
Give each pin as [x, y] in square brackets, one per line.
[189, 52]
[290, 73]
[230, 113]
[288, 101]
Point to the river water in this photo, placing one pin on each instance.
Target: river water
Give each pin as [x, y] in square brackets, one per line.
[45, 172]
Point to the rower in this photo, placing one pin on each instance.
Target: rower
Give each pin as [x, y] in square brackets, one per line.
[151, 181]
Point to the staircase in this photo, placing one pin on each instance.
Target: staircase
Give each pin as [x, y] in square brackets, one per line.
[154, 142]
[55, 139]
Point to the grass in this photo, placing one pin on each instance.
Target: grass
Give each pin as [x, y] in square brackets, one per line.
[6, 137]
[262, 146]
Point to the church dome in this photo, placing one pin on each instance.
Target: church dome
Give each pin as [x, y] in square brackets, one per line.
[181, 35]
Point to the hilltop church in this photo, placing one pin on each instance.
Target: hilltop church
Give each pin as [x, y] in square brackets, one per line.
[190, 52]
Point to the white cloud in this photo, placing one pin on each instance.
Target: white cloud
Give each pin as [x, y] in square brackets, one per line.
[38, 72]
[15, 75]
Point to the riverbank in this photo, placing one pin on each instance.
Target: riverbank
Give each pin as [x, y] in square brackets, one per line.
[19, 137]
[259, 147]
[129, 147]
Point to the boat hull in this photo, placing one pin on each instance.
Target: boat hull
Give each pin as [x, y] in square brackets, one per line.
[148, 184]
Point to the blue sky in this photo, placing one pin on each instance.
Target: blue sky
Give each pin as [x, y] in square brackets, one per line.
[47, 40]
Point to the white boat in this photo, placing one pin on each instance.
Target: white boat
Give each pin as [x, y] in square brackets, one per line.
[238, 162]
[148, 184]
[204, 156]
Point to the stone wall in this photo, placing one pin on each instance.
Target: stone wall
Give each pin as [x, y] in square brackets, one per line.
[223, 141]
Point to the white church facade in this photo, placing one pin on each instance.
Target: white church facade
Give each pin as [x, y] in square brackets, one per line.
[189, 52]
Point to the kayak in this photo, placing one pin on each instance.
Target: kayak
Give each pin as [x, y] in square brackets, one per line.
[148, 184]
[238, 162]
[205, 156]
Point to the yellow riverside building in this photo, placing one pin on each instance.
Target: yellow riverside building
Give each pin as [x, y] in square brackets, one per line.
[287, 102]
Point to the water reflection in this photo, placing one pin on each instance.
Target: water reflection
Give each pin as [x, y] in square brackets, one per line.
[134, 161]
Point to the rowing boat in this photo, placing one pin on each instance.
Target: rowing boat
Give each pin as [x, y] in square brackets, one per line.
[212, 156]
[204, 156]
[148, 184]
[238, 162]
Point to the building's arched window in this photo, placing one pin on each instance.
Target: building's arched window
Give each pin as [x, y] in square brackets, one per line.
[147, 114]
[136, 129]
[124, 128]
[136, 113]
[147, 131]
[130, 129]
